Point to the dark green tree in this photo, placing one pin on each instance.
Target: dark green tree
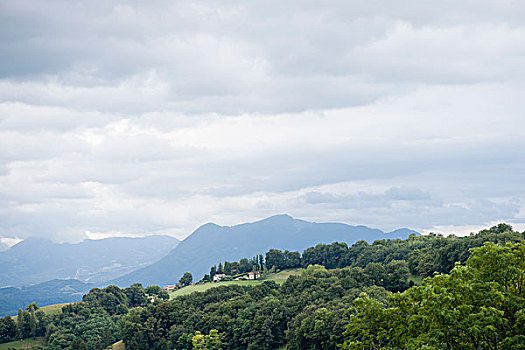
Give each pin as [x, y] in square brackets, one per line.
[107, 337]
[8, 329]
[136, 295]
[32, 306]
[261, 262]
[227, 268]
[274, 259]
[186, 279]
[78, 344]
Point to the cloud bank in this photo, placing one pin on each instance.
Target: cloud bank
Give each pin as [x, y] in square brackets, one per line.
[127, 117]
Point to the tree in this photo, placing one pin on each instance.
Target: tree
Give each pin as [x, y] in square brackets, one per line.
[107, 337]
[24, 324]
[376, 273]
[274, 258]
[227, 268]
[235, 266]
[32, 323]
[186, 279]
[261, 262]
[32, 306]
[152, 290]
[8, 330]
[291, 259]
[78, 344]
[211, 341]
[164, 295]
[245, 265]
[136, 295]
[19, 321]
[396, 279]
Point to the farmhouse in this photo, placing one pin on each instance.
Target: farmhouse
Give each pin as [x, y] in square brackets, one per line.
[168, 288]
[254, 275]
[218, 277]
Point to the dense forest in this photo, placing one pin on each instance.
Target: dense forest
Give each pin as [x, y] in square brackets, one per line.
[367, 296]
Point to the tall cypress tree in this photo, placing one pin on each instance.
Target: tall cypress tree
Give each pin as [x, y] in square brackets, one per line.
[19, 322]
[32, 323]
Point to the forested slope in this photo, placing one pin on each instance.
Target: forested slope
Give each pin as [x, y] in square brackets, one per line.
[363, 298]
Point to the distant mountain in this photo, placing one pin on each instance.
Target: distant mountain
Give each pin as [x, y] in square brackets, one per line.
[36, 260]
[47, 293]
[211, 243]
[3, 246]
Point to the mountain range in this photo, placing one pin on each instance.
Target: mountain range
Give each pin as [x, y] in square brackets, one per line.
[37, 260]
[47, 293]
[211, 244]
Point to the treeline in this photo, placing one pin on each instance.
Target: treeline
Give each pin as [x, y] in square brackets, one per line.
[235, 268]
[313, 310]
[92, 323]
[423, 254]
[29, 324]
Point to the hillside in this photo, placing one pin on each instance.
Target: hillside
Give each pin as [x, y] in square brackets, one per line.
[47, 293]
[342, 296]
[278, 278]
[37, 260]
[212, 243]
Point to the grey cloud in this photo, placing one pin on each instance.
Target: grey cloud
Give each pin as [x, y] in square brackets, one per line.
[407, 193]
[235, 57]
[143, 117]
[372, 200]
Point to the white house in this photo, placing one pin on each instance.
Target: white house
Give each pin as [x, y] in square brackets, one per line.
[254, 275]
[218, 277]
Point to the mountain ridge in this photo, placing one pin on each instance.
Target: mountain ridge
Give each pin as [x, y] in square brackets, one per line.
[205, 247]
[37, 259]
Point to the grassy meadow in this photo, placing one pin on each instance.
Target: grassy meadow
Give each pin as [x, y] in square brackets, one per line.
[278, 277]
[50, 309]
[23, 344]
[118, 346]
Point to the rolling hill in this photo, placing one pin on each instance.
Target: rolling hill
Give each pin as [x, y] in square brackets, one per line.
[36, 260]
[211, 243]
[47, 293]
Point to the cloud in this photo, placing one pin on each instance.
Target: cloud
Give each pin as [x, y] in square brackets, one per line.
[136, 118]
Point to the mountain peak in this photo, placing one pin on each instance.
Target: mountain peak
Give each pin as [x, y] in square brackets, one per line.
[211, 244]
[32, 242]
[207, 226]
[403, 232]
[279, 219]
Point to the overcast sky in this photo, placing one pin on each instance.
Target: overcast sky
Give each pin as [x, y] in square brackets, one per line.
[135, 118]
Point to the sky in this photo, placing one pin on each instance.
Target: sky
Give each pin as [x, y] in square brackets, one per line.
[131, 118]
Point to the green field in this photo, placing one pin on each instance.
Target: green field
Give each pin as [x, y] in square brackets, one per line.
[50, 309]
[23, 344]
[53, 309]
[118, 346]
[279, 277]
